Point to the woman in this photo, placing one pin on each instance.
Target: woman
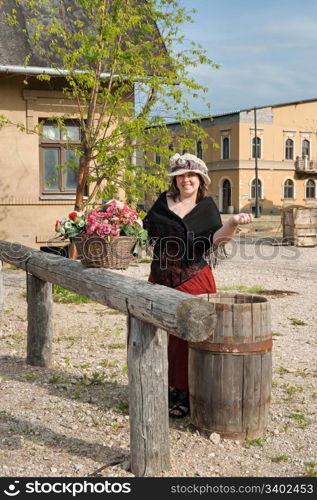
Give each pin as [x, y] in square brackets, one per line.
[185, 224]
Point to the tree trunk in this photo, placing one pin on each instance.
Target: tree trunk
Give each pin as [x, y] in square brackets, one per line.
[82, 180]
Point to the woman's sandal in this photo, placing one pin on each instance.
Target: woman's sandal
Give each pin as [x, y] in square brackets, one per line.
[172, 395]
[181, 408]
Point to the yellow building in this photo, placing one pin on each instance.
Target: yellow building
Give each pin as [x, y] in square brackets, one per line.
[277, 143]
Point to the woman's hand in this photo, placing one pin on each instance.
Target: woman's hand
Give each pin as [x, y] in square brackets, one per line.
[240, 219]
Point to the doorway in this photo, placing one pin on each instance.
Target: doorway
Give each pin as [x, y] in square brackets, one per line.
[226, 195]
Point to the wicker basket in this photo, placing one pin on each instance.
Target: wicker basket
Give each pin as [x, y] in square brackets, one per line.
[94, 251]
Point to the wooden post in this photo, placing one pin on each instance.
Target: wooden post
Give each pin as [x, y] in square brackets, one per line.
[148, 394]
[39, 336]
[1, 287]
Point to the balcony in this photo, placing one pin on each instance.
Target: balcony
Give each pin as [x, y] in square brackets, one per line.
[303, 165]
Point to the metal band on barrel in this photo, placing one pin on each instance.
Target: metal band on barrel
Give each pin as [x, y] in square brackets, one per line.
[229, 347]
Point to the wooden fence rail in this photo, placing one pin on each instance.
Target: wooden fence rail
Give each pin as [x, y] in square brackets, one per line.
[152, 310]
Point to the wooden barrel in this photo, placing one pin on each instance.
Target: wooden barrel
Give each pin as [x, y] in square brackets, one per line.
[230, 376]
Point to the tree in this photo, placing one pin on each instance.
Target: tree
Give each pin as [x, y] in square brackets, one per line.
[126, 68]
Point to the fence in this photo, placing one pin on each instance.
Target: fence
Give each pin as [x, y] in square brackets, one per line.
[152, 310]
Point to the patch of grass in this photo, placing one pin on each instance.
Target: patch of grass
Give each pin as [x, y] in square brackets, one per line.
[298, 322]
[280, 458]
[302, 373]
[243, 288]
[301, 420]
[292, 389]
[97, 420]
[64, 296]
[310, 469]
[253, 442]
[57, 438]
[114, 311]
[13, 268]
[75, 395]
[115, 425]
[282, 370]
[116, 346]
[94, 378]
[66, 337]
[124, 407]
[57, 379]
[277, 334]
[145, 260]
[118, 331]
[15, 336]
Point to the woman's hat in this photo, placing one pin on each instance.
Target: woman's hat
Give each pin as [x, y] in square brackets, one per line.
[188, 163]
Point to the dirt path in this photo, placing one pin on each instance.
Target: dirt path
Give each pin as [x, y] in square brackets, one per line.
[72, 419]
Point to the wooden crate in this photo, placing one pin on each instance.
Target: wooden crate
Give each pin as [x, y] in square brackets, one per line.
[300, 225]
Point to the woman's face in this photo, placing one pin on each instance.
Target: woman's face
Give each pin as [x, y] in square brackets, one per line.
[188, 183]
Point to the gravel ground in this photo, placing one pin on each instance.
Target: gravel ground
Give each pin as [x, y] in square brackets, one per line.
[72, 419]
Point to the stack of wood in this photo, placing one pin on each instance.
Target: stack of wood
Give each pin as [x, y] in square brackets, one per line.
[300, 225]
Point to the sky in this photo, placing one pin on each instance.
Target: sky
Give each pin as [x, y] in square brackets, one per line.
[267, 51]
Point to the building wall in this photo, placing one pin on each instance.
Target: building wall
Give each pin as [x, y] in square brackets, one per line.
[25, 218]
[274, 125]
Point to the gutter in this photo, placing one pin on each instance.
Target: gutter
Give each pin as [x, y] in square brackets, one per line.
[37, 70]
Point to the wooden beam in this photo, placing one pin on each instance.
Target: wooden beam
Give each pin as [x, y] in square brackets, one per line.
[188, 317]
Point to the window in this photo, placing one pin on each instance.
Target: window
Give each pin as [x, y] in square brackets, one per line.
[58, 160]
[306, 148]
[253, 192]
[225, 148]
[199, 150]
[288, 189]
[256, 147]
[157, 159]
[289, 149]
[310, 191]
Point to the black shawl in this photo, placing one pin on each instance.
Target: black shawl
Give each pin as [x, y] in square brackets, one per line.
[180, 244]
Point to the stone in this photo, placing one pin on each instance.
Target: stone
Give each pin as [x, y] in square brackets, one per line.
[215, 438]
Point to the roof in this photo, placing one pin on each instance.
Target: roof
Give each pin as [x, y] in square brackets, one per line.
[237, 111]
[14, 40]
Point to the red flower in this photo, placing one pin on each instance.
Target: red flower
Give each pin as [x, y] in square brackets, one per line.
[72, 215]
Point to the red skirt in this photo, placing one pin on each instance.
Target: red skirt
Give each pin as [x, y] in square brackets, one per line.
[203, 282]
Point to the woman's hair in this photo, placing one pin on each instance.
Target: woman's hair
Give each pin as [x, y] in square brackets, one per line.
[174, 193]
